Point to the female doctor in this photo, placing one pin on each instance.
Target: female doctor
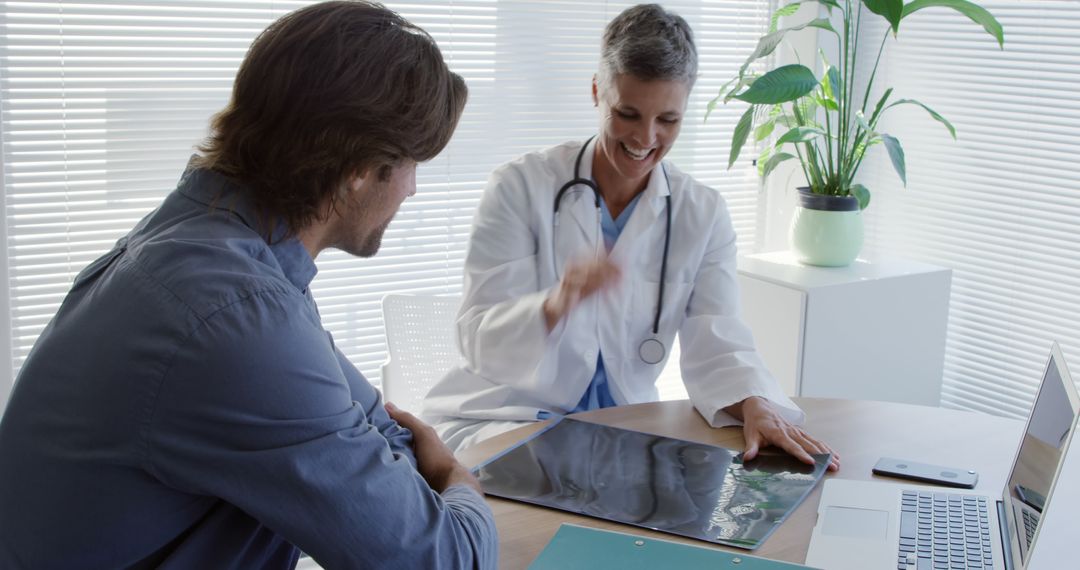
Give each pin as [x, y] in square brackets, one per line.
[587, 258]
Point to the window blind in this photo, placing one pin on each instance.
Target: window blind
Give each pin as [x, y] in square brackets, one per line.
[1001, 205]
[102, 102]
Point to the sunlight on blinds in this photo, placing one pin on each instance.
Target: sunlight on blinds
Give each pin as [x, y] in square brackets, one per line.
[1001, 205]
[102, 102]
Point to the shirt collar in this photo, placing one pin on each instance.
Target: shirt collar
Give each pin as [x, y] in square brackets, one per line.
[218, 192]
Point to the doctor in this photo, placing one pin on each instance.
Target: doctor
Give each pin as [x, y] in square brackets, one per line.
[587, 258]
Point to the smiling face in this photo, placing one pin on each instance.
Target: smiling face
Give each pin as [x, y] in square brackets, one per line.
[640, 121]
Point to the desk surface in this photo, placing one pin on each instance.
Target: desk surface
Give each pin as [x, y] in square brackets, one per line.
[861, 432]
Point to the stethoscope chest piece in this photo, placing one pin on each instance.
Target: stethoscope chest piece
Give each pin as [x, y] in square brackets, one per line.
[651, 351]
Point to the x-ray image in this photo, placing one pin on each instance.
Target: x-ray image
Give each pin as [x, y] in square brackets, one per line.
[681, 487]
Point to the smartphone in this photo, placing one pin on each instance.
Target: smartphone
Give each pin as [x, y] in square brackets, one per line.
[948, 476]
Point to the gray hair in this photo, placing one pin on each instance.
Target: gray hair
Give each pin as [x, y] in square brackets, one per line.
[649, 43]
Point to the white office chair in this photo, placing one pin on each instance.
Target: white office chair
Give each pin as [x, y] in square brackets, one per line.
[421, 343]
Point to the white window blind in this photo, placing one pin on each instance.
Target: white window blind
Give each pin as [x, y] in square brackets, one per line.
[101, 103]
[1001, 205]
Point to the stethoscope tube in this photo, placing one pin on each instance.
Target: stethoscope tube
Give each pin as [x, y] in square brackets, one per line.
[651, 350]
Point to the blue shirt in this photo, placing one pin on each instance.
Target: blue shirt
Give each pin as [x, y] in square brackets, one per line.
[186, 409]
[598, 394]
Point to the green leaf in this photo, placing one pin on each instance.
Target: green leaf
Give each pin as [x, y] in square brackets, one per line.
[762, 158]
[807, 110]
[828, 91]
[742, 82]
[880, 106]
[763, 130]
[830, 104]
[738, 139]
[834, 82]
[712, 105]
[780, 85]
[933, 113]
[860, 193]
[787, 121]
[896, 155]
[775, 161]
[860, 149]
[831, 4]
[769, 42]
[788, 10]
[800, 135]
[820, 23]
[978, 14]
[892, 10]
[719, 95]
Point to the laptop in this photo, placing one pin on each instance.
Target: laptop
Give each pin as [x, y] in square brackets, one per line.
[873, 524]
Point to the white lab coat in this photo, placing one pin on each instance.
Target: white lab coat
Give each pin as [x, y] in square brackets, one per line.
[515, 368]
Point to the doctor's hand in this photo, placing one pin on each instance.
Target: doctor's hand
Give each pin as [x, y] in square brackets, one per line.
[580, 279]
[763, 425]
[434, 461]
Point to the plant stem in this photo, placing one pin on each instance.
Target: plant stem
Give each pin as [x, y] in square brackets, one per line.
[853, 161]
[873, 73]
[851, 125]
[830, 171]
[845, 72]
[812, 166]
[802, 163]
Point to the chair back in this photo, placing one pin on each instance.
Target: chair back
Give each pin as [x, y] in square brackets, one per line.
[421, 343]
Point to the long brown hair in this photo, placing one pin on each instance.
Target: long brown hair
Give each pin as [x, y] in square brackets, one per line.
[328, 92]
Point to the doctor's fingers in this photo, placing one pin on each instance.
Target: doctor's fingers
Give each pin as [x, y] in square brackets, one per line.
[776, 436]
[809, 443]
[600, 269]
[786, 439]
[587, 278]
[788, 443]
[814, 445]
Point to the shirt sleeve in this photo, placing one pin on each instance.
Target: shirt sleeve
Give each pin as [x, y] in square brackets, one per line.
[719, 363]
[501, 325]
[256, 410]
[398, 438]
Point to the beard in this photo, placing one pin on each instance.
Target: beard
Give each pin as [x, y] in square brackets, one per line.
[363, 245]
[368, 246]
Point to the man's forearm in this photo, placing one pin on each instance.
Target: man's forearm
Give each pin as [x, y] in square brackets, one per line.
[459, 475]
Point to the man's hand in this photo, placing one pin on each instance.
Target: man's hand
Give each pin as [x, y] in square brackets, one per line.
[434, 460]
[580, 280]
[763, 425]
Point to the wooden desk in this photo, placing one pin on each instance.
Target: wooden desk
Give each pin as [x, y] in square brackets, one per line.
[860, 431]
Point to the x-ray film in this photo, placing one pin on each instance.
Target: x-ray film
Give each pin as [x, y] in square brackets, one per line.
[670, 485]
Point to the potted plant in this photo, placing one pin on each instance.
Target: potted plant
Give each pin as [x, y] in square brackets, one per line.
[828, 123]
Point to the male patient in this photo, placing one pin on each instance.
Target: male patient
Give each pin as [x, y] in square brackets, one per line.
[185, 408]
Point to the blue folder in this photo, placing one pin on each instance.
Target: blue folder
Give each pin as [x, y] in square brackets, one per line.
[577, 547]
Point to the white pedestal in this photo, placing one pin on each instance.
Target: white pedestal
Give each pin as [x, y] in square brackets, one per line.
[869, 331]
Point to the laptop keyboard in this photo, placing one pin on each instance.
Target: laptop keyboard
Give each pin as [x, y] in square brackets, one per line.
[1031, 521]
[944, 531]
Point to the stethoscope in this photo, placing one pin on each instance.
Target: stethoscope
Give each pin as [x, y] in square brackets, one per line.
[651, 350]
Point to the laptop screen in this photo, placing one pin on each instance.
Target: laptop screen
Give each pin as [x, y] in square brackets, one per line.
[1052, 418]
